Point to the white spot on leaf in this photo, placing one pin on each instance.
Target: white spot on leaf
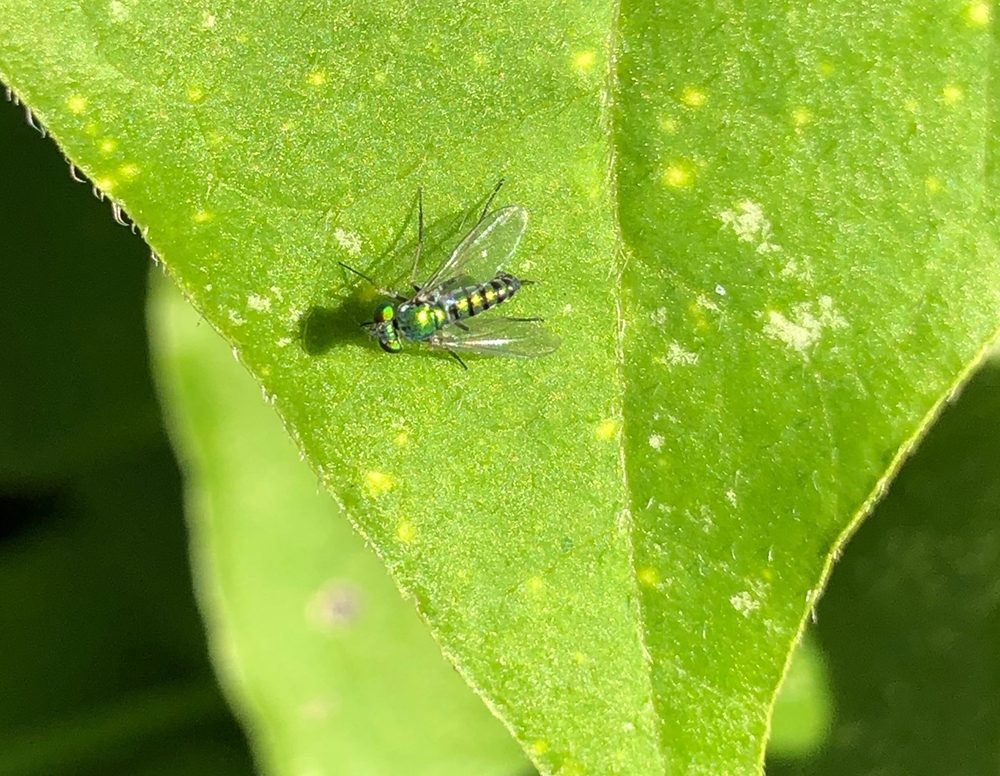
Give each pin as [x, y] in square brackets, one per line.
[261, 303]
[796, 335]
[349, 241]
[805, 326]
[744, 603]
[707, 303]
[749, 225]
[676, 355]
[799, 270]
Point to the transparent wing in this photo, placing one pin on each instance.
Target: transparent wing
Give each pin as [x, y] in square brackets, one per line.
[511, 337]
[482, 251]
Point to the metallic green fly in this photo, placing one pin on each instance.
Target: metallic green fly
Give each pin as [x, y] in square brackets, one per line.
[441, 311]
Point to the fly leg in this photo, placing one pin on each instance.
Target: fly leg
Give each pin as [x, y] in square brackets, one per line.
[489, 201]
[486, 207]
[442, 344]
[420, 239]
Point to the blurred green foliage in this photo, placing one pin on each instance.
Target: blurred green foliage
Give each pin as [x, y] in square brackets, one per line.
[909, 629]
[803, 710]
[104, 662]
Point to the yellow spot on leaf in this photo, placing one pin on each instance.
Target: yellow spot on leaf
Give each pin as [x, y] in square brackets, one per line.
[826, 69]
[129, 170]
[316, 78]
[106, 184]
[585, 61]
[536, 583]
[402, 438]
[77, 103]
[405, 532]
[669, 124]
[378, 483]
[648, 576]
[698, 317]
[978, 14]
[694, 97]
[195, 94]
[91, 128]
[801, 117]
[479, 58]
[678, 176]
[108, 146]
[932, 184]
[952, 94]
[202, 216]
[119, 11]
[540, 747]
[580, 658]
[607, 429]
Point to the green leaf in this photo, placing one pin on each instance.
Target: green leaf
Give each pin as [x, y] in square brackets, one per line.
[909, 627]
[826, 179]
[320, 654]
[766, 236]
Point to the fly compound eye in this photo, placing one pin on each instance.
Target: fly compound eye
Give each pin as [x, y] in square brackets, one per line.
[384, 313]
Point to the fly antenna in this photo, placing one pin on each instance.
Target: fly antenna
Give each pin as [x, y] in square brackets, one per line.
[489, 200]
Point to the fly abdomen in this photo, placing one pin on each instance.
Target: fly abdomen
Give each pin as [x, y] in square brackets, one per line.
[471, 300]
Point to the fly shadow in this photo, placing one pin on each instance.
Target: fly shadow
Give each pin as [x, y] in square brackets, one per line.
[339, 323]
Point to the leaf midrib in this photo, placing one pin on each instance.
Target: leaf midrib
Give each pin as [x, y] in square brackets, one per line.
[609, 103]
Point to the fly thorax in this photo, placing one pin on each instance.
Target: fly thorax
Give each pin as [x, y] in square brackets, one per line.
[419, 321]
